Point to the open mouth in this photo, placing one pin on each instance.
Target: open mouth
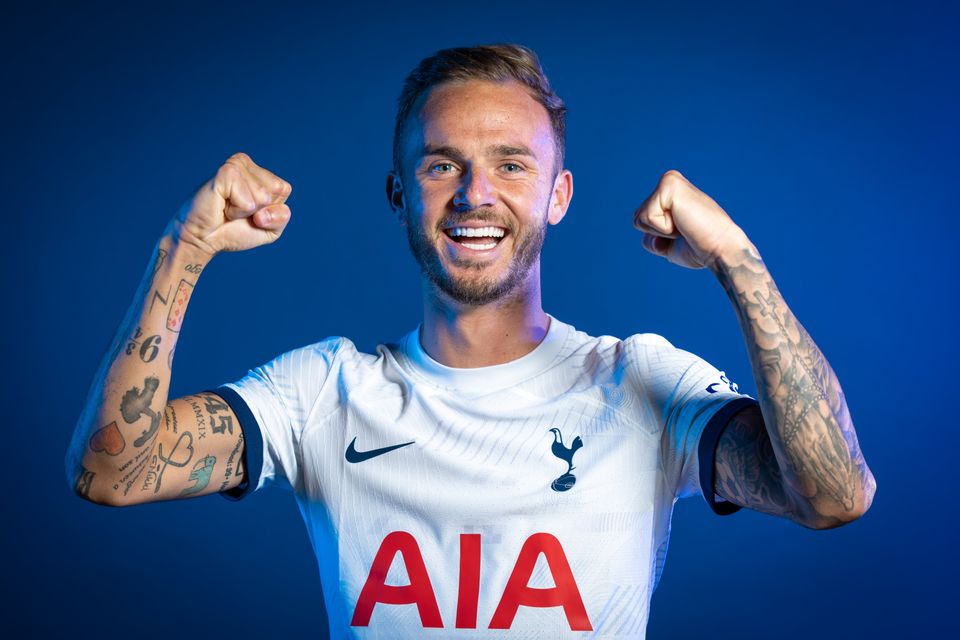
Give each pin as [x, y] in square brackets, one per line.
[477, 238]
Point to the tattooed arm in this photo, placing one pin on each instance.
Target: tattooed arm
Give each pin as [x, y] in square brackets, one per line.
[129, 445]
[198, 450]
[798, 456]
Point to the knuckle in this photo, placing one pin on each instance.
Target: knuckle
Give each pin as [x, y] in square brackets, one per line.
[229, 174]
[281, 187]
[260, 194]
[239, 156]
[229, 169]
[671, 175]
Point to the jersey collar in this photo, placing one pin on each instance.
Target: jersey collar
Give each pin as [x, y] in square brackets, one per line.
[483, 379]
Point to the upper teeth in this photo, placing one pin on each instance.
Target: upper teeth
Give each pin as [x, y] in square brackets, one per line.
[494, 232]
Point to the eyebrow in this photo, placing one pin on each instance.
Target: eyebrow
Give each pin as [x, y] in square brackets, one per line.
[496, 150]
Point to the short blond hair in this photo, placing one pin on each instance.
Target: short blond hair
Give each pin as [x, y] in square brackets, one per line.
[495, 63]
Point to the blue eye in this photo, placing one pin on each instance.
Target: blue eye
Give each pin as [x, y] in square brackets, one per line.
[442, 167]
[514, 167]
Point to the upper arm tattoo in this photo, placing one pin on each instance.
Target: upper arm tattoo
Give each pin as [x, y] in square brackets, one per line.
[197, 451]
[746, 471]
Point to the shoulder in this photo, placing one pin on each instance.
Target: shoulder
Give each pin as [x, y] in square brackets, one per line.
[635, 343]
[328, 350]
[632, 361]
[653, 364]
[302, 376]
[630, 353]
[301, 368]
[654, 353]
[648, 342]
[641, 351]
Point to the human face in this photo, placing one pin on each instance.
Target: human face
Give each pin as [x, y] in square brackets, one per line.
[481, 157]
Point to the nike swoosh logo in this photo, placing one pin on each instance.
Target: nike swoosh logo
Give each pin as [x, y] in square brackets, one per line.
[354, 456]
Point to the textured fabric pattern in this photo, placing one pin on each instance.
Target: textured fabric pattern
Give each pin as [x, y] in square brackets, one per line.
[589, 440]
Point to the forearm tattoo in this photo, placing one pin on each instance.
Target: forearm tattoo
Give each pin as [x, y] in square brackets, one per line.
[810, 430]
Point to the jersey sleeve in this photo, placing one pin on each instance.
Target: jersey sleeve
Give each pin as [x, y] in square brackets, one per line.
[271, 403]
[694, 401]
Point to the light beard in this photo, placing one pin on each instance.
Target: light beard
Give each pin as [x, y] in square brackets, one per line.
[480, 290]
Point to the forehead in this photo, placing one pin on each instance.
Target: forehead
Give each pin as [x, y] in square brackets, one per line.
[480, 113]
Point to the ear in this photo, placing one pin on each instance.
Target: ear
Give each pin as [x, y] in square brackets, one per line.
[395, 196]
[561, 196]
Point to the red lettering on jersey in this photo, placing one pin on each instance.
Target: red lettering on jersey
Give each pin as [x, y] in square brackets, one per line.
[469, 594]
[418, 592]
[565, 593]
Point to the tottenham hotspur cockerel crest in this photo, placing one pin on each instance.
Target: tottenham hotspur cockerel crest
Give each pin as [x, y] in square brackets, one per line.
[565, 453]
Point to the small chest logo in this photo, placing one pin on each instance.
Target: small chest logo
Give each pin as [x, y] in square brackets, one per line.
[353, 456]
[567, 480]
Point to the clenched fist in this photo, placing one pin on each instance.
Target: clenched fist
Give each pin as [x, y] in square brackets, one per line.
[685, 226]
[241, 207]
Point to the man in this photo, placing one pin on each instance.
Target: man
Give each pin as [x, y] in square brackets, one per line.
[495, 468]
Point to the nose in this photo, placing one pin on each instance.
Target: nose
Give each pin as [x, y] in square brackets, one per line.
[475, 190]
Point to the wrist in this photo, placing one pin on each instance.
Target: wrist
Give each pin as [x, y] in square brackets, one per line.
[184, 246]
[732, 252]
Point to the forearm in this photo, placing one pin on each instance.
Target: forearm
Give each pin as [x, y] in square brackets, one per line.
[114, 437]
[804, 410]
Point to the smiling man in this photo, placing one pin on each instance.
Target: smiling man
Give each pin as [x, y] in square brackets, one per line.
[494, 469]
[484, 166]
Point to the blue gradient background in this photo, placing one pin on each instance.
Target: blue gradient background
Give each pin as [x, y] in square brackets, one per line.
[828, 132]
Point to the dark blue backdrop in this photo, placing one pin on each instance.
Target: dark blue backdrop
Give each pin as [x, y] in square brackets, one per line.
[828, 133]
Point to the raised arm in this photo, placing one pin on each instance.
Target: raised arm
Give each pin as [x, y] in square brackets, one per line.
[130, 445]
[798, 456]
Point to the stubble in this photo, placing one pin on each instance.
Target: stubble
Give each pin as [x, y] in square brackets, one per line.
[476, 288]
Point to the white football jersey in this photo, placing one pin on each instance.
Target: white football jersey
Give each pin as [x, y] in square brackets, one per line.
[530, 499]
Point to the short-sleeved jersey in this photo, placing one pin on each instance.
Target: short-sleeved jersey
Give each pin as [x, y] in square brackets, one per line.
[533, 496]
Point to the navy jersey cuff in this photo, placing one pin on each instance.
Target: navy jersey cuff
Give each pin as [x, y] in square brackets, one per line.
[707, 452]
[253, 444]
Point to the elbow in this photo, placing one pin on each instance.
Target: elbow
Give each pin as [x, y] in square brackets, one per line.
[87, 480]
[85, 488]
[79, 478]
[867, 492]
[84, 484]
[820, 523]
[857, 508]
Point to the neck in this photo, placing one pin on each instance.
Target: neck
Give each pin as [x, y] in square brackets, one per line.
[468, 336]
